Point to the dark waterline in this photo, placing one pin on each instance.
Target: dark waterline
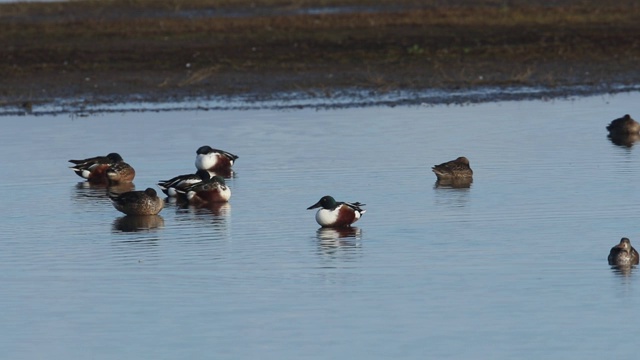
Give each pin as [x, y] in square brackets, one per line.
[296, 101]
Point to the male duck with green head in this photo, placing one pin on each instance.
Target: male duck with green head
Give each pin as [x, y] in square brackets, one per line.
[335, 213]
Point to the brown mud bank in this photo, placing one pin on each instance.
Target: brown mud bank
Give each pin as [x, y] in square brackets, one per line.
[88, 53]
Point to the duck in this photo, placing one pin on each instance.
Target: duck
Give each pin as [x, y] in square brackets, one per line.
[336, 214]
[120, 172]
[454, 169]
[181, 182]
[94, 169]
[623, 125]
[215, 161]
[137, 203]
[211, 191]
[623, 254]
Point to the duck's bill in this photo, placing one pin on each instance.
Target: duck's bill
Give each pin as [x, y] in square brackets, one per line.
[316, 205]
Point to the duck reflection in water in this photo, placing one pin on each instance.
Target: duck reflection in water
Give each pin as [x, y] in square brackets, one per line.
[216, 214]
[133, 223]
[622, 270]
[625, 140]
[454, 183]
[338, 237]
[87, 190]
[216, 209]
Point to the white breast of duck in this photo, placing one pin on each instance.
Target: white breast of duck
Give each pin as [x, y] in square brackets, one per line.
[342, 215]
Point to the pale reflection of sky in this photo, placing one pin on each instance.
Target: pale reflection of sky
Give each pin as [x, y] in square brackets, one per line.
[513, 267]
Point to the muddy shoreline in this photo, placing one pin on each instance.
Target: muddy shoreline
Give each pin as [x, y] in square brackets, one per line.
[89, 56]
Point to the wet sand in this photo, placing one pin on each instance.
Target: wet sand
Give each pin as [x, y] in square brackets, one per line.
[92, 53]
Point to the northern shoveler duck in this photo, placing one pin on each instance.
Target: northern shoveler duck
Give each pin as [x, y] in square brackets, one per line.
[454, 169]
[120, 172]
[216, 162]
[623, 254]
[213, 190]
[94, 169]
[624, 125]
[336, 214]
[138, 202]
[182, 182]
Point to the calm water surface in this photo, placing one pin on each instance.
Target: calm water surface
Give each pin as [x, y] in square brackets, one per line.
[513, 267]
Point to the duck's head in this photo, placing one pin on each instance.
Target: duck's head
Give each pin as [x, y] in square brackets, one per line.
[326, 202]
[217, 179]
[114, 157]
[203, 175]
[203, 150]
[463, 160]
[151, 192]
[625, 245]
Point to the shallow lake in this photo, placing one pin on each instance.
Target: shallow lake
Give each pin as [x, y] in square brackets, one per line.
[513, 267]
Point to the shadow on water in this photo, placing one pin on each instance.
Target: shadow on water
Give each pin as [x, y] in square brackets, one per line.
[132, 223]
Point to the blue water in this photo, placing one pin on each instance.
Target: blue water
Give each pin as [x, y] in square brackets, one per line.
[512, 267]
